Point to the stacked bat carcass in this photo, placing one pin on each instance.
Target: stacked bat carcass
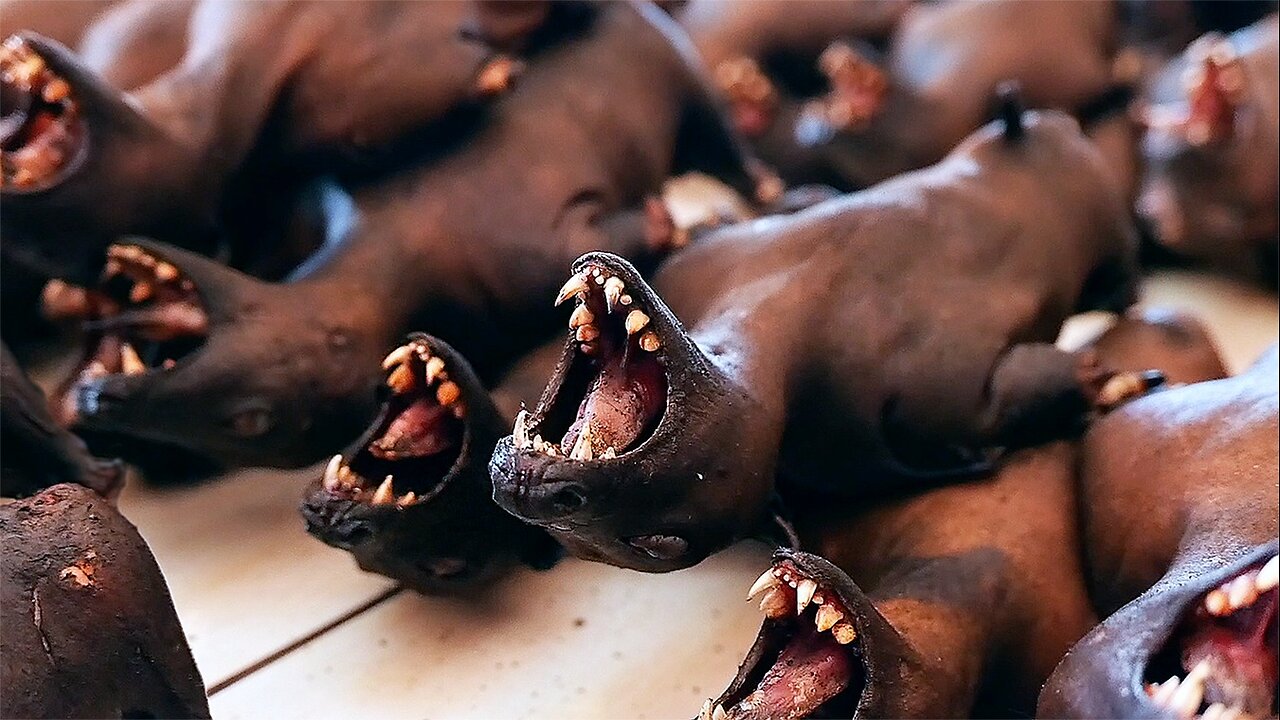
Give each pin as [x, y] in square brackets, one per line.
[288, 230]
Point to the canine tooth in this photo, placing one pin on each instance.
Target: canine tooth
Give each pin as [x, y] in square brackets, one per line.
[766, 580]
[1242, 592]
[396, 357]
[385, 494]
[775, 603]
[1186, 699]
[166, 272]
[636, 320]
[804, 594]
[705, 713]
[827, 617]
[844, 632]
[331, 481]
[1269, 576]
[581, 449]
[581, 316]
[575, 285]
[587, 333]
[140, 292]
[129, 360]
[649, 342]
[401, 379]
[520, 432]
[435, 369]
[719, 714]
[447, 393]
[613, 288]
[609, 453]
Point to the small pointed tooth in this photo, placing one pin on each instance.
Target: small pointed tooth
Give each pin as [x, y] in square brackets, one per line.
[520, 432]
[1165, 692]
[636, 321]
[613, 289]
[609, 453]
[447, 393]
[129, 360]
[1242, 592]
[435, 369]
[804, 594]
[407, 499]
[1216, 602]
[1186, 699]
[827, 617]
[1214, 712]
[539, 444]
[766, 580]
[576, 285]
[776, 603]
[385, 494]
[140, 292]
[719, 714]
[166, 272]
[1269, 575]
[844, 632]
[331, 481]
[581, 316]
[396, 357]
[582, 446]
[705, 713]
[587, 333]
[649, 342]
[401, 379]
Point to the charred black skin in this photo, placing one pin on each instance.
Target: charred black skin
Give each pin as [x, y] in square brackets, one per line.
[1215, 203]
[458, 522]
[1217, 516]
[287, 374]
[38, 452]
[764, 324]
[89, 629]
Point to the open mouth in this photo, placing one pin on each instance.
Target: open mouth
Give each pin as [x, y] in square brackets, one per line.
[1220, 661]
[417, 441]
[609, 390]
[41, 130]
[143, 316]
[808, 660]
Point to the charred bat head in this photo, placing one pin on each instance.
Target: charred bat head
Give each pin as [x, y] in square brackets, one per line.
[1200, 643]
[637, 453]
[186, 353]
[412, 499]
[823, 651]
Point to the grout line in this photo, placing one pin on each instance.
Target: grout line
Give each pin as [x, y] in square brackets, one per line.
[265, 661]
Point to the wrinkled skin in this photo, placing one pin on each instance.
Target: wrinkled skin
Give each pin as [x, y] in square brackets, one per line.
[89, 629]
[978, 589]
[286, 374]
[457, 528]
[1208, 451]
[1210, 187]
[942, 64]
[37, 452]
[163, 160]
[762, 325]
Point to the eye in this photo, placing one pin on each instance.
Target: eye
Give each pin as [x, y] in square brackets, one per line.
[251, 423]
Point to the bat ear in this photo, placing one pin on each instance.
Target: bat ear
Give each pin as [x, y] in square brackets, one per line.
[1214, 84]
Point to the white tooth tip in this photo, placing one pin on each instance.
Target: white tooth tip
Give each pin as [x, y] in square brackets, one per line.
[1269, 575]
[762, 583]
[435, 368]
[397, 356]
[385, 494]
[331, 481]
[636, 321]
[574, 286]
[804, 593]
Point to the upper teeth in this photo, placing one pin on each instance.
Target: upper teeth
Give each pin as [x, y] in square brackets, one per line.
[777, 603]
[1242, 590]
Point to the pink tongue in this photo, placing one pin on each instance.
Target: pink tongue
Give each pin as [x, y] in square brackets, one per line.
[619, 404]
[1241, 657]
[811, 670]
[413, 433]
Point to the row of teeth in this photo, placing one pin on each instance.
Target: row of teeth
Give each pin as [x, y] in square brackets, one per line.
[581, 449]
[1243, 591]
[776, 602]
[162, 272]
[23, 67]
[1182, 697]
[401, 378]
[582, 322]
[339, 478]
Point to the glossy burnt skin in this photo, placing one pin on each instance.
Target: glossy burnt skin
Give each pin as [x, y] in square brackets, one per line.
[1208, 451]
[759, 327]
[1210, 187]
[425, 249]
[977, 589]
[449, 535]
[89, 629]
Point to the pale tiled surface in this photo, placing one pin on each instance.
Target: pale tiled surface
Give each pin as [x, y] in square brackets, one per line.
[248, 581]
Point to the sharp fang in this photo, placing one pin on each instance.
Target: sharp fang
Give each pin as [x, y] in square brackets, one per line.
[1165, 691]
[520, 432]
[705, 713]
[775, 603]
[719, 713]
[166, 272]
[1269, 575]
[331, 481]
[581, 316]
[129, 360]
[435, 370]
[385, 494]
[649, 342]
[804, 593]
[762, 583]
[613, 289]
[827, 617]
[587, 333]
[844, 633]
[396, 357]
[140, 292]
[576, 285]
[447, 393]
[407, 500]
[400, 380]
[582, 447]
[1186, 699]
[609, 454]
[636, 321]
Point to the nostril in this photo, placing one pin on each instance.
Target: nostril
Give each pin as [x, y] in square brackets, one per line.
[567, 500]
